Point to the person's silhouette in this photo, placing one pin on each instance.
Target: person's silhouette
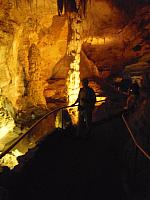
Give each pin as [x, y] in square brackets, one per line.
[86, 99]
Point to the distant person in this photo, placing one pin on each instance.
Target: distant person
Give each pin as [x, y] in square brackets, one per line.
[133, 95]
[125, 84]
[131, 101]
[86, 99]
[135, 90]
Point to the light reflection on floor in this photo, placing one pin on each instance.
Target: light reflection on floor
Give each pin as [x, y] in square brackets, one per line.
[48, 125]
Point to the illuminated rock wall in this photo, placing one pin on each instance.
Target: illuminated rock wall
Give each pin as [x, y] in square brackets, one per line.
[7, 123]
[33, 39]
[34, 42]
[74, 49]
[107, 37]
[115, 36]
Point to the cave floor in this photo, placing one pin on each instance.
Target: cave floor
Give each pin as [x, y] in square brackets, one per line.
[71, 168]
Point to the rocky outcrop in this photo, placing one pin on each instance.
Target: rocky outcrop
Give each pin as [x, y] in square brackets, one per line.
[116, 40]
[33, 40]
[41, 51]
[107, 37]
[7, 122]
[140, 43]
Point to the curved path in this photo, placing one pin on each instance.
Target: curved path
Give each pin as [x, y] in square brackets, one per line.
[68, 168]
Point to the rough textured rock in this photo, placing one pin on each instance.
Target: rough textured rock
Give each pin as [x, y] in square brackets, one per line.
[114, 35]
[33, 41]
[7, 122]
[117, 40]
[41, 51]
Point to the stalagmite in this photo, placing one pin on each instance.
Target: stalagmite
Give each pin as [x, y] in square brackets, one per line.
[40, 51]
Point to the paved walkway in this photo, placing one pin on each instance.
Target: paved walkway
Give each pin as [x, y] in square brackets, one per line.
[67, 168]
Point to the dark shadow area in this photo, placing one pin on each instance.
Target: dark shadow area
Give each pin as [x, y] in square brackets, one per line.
[68, 168]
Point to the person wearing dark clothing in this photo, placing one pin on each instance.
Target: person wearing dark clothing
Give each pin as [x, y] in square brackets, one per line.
[135, 89]
[86, 103]
[125, 84]
[131, 101]
[133, 96]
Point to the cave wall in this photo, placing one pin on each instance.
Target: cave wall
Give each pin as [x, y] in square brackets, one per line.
[115, 37]
[33, 40]
[33, 44]
[108, 37]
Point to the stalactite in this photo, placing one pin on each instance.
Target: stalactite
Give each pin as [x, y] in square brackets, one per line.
[73, 79]
[29, 2]
[17, 3]
[78, 4]
[36, 4]
[60, 6]
[67, 6]
[36, 16]
[70, 6]
[84, 5]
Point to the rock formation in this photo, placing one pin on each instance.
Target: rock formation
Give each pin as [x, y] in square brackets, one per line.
[39, 44]
[34, 40]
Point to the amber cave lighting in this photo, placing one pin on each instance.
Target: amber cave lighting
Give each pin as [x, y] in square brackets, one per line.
[4, 130]
[7, 134]
[7, 123]
[99, 40]
[100, 100]
[10, 160]
[73, 79]
[73, 88]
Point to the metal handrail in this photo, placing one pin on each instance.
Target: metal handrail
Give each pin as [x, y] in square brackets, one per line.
[33, 126]
[134, 140]
[26, 133]
[131, 134]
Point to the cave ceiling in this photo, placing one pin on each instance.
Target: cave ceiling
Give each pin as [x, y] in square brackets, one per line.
[48, 46]
[119, 33]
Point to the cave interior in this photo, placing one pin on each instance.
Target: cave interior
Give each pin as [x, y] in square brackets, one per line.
[47, 47]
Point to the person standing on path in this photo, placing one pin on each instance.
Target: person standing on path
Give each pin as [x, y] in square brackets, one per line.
[86, 103]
